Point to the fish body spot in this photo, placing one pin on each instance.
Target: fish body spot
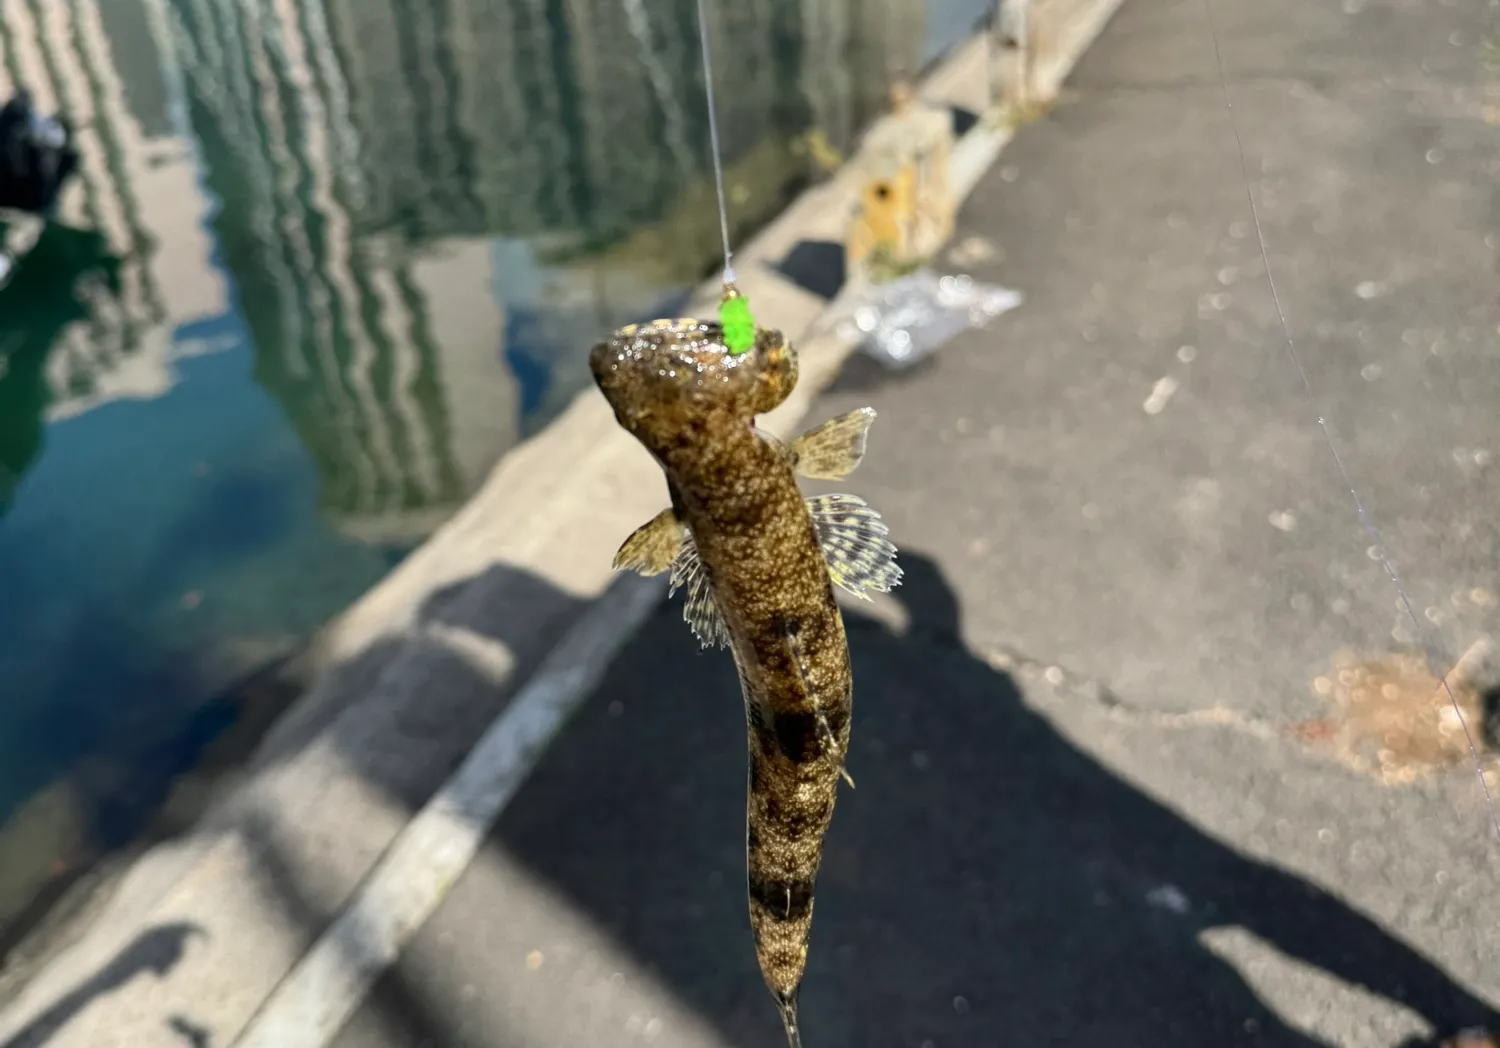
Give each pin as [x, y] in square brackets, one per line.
[787, 900]
[797, 736]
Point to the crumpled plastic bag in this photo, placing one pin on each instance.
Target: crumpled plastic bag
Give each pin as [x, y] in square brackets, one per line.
[903, 320]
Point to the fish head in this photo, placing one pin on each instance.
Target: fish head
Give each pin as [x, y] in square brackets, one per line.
[671, 377]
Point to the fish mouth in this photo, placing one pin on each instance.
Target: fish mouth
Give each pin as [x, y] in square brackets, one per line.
[672, 350]
[646, 368]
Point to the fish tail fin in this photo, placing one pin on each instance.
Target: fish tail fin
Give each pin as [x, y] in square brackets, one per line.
[787, 1004]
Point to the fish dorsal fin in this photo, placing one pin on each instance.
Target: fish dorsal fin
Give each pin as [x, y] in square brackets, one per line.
[653, 547]
[853, 537]
[700, 610]
[832, 450]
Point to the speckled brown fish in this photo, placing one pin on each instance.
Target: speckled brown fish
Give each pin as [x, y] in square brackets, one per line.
[759, 563]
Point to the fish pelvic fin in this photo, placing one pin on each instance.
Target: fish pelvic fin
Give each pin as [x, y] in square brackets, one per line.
[860, 556]
[701, 608]
[831, 451]
[653, 547]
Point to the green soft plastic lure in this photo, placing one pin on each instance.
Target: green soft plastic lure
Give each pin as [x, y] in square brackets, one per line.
[738, 324]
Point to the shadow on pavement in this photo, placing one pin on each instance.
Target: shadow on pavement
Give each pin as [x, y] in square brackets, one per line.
[986, 883]
[157, 951]
[406, 750]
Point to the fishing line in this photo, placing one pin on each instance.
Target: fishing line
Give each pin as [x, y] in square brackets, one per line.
[734, 308]
[1366, 521]
[713, 138]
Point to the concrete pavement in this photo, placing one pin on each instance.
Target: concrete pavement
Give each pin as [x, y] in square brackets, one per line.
[1078, 819]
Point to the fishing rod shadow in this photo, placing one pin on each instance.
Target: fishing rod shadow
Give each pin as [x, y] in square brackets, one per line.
[988, 881]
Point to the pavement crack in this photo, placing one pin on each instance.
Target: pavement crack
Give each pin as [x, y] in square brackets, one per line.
[1393, 762]
[1080, 687]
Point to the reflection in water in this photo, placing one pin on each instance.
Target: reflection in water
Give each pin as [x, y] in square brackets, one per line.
[65, 271]
[346, 253]
[370, 153]
[385, 359]
[585, 118]
[135, 187]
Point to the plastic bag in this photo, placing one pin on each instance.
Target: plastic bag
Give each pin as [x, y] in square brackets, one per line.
[903, 320]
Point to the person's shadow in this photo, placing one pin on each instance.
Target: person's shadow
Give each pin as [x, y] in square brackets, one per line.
[987, 882]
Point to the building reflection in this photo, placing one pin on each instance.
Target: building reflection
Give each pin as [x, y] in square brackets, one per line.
[345, 175]
[68, 271]
[382, 350]
[136, 186]
[372, 157]
[585, 119]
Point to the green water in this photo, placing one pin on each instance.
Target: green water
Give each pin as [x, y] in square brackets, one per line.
[326, 261]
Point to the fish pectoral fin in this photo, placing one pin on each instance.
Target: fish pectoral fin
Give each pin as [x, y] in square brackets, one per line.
[701, 608]
[860, 557]
[664, 543]
[832, 450]
[653, 547]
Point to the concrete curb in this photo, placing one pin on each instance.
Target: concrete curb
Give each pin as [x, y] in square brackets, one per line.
[322, 816]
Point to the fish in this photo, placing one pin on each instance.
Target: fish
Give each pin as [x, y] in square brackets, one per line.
[758, 563]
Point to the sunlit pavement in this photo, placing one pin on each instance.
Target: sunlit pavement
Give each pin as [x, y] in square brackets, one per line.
[1078, 817]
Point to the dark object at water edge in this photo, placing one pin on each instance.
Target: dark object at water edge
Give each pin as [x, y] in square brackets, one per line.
[37, 157]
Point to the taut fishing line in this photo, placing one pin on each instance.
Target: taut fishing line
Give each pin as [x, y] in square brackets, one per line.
[1365, 520]
[713, 138]
[734, 308]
